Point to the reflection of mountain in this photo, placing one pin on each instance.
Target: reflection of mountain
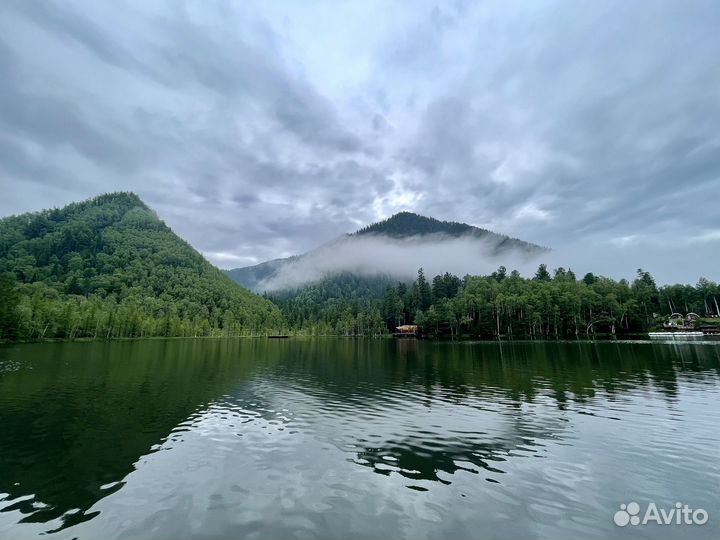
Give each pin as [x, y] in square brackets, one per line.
[420, 463]
[80, 415]
[390, 383]
[478, 448]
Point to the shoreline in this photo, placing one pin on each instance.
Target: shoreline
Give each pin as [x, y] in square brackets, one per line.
[629, 338]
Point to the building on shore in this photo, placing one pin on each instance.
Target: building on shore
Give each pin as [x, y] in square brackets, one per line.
[407, 329]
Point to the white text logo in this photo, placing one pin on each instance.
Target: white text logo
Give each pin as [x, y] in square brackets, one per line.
[680, 514]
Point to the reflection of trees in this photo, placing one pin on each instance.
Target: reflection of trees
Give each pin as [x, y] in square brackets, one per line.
[85, 413]
[365, 373]
[364, 370]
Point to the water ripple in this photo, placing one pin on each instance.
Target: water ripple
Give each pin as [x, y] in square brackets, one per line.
[354, 439]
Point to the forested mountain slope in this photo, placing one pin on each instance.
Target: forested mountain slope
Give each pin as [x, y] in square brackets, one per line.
[337, 304]
[252, 277]
[407, 224]
[109, 267]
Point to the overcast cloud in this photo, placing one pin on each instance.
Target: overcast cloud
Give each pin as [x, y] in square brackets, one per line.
[262, 129]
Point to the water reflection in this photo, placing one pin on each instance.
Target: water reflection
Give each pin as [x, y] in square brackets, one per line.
[79, 421]
[76, 417]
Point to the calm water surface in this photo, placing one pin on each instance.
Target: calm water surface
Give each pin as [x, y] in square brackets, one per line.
[355, 438]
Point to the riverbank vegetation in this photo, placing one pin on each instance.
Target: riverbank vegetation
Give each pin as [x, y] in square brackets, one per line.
[550, 304]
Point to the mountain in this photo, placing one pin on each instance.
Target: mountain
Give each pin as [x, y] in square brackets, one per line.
[110, 267]
[408, 224]
[395, 247]
[328, 304]
[252, 277]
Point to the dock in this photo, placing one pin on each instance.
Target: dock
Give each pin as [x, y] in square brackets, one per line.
[674, 334]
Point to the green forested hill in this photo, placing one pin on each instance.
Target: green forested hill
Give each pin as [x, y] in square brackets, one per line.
[340, 304]
[252, 276]
[406, 224]
[109, 267]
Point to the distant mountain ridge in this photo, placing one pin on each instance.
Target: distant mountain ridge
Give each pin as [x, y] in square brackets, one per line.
[406, 224]
[401, 227]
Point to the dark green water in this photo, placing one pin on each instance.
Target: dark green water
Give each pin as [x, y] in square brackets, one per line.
[355, 438]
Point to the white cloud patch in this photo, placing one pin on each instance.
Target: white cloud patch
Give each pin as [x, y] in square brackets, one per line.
[707, 237]
[531, 212]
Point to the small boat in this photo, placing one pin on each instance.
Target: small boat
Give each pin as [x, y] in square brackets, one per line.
[278, 337]
[674, 334]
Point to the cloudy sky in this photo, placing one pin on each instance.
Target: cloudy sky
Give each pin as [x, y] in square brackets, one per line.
[261, 129]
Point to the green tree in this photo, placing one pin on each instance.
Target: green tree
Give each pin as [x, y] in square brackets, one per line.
[393, 308]
[646, 293]
[499, 274]
[422, 291]
[9, 302]
[542, 273]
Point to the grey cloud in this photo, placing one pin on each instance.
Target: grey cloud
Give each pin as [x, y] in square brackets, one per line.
[202, 163]
[618, 108]
[74, 26]
[231, 67]
[54, 121]
[548, 122]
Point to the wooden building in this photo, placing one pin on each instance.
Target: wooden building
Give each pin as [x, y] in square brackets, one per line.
[408, 329]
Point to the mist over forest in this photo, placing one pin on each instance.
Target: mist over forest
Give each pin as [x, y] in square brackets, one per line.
[373, 255]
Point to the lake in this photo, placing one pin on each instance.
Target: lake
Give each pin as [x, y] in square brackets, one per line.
[356, 438]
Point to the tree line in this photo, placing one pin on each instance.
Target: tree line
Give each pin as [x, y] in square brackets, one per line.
[549, 304]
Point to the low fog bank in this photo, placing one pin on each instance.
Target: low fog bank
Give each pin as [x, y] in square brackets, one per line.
[370, 255]
[381, 255]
